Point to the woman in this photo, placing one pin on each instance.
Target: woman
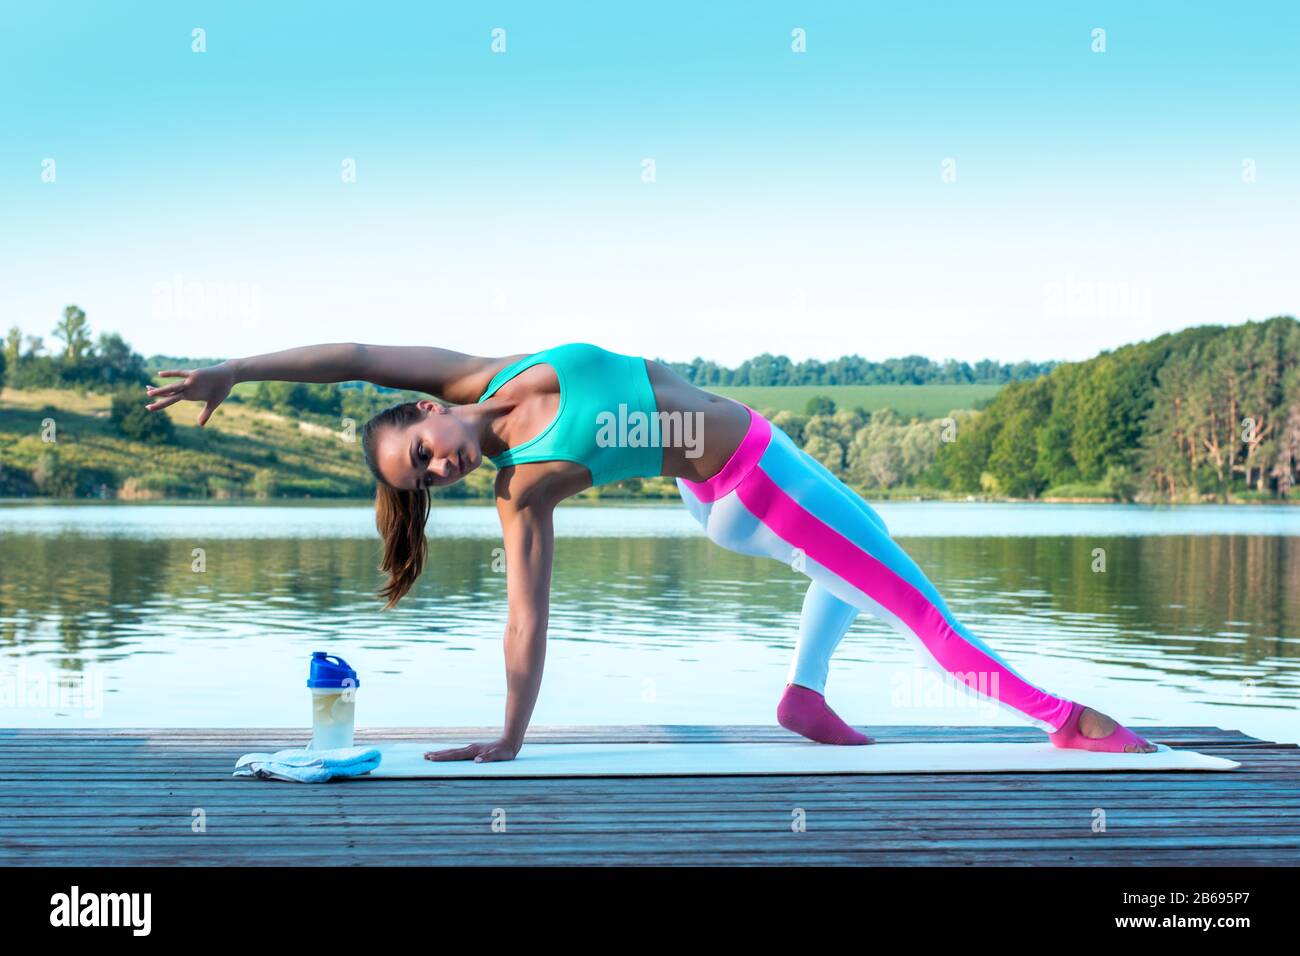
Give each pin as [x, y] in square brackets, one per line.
[560, 421]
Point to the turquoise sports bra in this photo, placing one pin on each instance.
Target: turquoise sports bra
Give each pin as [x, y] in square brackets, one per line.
[607, 421]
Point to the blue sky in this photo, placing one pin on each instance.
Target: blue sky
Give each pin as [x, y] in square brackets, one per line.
[799, 203]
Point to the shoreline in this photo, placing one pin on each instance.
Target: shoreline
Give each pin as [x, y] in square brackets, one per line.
[585, 500]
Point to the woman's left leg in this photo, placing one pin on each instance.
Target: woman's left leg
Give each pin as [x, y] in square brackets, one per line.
[842, 546]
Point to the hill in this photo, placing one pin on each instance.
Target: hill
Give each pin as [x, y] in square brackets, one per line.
[243, 452]
[1208, 413]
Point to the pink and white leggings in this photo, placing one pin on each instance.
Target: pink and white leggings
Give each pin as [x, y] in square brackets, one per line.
[774, 500]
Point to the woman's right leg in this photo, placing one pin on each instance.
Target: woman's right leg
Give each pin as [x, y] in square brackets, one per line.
[822, 624]
[803, 708]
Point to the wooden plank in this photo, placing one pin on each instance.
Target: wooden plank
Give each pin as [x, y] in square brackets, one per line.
[705, 817]
[281, 838]
[123, 796]
[807, 849]
[628, 809]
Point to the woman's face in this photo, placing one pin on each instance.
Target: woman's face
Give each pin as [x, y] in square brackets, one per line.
[436, 450]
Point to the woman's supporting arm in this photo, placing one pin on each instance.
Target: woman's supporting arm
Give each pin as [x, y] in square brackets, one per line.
[529, 539]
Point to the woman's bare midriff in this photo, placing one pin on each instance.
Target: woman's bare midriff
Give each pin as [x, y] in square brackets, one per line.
[707, 429]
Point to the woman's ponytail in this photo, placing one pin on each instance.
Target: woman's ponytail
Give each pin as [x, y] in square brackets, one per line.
[400, 513]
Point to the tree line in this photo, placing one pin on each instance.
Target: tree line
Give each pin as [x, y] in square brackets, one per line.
[86, 362]
[768, 369]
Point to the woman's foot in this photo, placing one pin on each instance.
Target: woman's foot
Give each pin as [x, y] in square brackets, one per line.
[806, 713]
[1088, 729]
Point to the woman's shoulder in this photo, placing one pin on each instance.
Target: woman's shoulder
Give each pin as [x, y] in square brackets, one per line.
[487, 371]
[539, 486]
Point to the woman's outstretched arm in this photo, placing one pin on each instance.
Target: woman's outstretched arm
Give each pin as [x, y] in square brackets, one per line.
[451, 376]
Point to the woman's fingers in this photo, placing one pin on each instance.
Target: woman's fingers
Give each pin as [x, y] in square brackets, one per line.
[172, 373]
[161, 391]
[159, 406]
[479, 753]
[208, 409]
[455, 753]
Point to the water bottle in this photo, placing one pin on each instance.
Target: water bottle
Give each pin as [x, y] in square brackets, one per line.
[333, 686]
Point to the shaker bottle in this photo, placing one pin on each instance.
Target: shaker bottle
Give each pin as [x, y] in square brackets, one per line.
[333, 687]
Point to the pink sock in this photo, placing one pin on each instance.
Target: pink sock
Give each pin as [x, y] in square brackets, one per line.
[805, 712]
[1069, 737]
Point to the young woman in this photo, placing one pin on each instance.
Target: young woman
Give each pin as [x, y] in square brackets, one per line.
[560, 421]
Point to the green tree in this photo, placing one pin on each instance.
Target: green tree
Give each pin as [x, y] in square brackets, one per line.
[34, 370]
[289, 398]
[13, 348]
[1286, 460]
[53, 476]
[115, 364]
[1013, 454]
[1055, 461]
[1100, 432]
[819, 405]
[74, 332]
[963, 461]
[792, 424]
[1168, 448]
[134, 421]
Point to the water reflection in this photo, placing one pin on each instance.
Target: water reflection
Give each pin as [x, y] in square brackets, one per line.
[208, 628]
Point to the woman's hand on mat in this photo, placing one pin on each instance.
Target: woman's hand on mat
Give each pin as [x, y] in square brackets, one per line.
[501, 749]
[208, 385]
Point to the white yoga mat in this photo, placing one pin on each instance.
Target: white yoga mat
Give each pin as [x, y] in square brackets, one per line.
[798, 757]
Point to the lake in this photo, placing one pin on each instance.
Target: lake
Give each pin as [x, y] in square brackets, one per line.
[204, 615]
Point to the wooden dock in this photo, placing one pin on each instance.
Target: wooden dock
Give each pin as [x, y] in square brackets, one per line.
[124, 797]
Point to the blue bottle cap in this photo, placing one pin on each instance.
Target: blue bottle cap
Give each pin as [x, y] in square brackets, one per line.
[329, 670]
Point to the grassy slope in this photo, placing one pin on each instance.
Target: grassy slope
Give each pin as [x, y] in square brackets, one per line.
[927, 401]
[238, 443]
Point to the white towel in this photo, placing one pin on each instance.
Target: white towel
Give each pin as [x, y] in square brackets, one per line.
[309, 766]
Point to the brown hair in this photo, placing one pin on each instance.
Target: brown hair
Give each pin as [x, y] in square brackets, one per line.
[400, 513]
